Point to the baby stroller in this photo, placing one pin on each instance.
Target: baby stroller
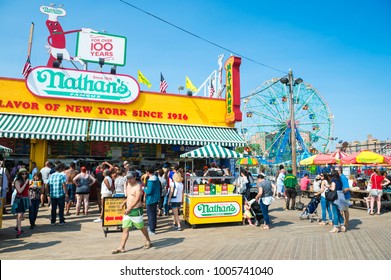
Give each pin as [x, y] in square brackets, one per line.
[255, 210]
[310, 211]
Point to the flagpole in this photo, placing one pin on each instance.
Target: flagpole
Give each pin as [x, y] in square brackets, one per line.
[30, 45]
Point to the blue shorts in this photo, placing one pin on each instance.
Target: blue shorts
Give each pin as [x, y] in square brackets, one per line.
[176, 205]
[71, 189]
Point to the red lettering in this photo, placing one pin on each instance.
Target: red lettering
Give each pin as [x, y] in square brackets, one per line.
[34, 106]
[134, 113]
[26, 105]
[87, 109]
[9, 105]
[123, 112]
[100, 110]
[17, 104]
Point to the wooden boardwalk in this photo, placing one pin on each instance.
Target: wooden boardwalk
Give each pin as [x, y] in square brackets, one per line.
[368, 238]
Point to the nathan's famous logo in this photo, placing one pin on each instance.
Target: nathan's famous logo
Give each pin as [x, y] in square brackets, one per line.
[216, 209]
[82, 85]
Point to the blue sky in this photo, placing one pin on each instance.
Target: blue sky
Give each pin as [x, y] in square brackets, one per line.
[341, 49]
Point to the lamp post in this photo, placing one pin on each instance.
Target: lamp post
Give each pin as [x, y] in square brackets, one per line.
[290, 83]
[375, 141]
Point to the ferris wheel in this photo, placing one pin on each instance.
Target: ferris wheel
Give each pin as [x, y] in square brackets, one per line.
[266, 121]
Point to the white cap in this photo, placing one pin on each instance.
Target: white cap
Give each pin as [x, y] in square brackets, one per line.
[52, 12]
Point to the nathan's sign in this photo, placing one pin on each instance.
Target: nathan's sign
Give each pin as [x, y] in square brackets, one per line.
[233, 90]
[93, 46]
[216, 209]
[82, 85]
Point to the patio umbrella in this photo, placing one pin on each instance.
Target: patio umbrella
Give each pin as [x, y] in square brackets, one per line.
[248, 161]
[319, 159]
[338, 154]
[366, 157]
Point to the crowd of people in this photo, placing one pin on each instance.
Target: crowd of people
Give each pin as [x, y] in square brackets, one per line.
[159, 190]
[64, 187]
[335, 207]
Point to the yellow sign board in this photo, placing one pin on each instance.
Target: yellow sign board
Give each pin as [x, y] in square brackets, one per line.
[149, 107]
[112, 211]
[208, 209]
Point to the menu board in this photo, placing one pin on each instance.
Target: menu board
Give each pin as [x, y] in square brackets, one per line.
[130, 150]
[57, 148]
[100, 149]
[68, 148]
[148, 150]
[79, 148]
[22, 147]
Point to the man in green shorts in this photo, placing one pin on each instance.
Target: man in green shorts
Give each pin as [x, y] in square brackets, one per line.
[133, 214]
[290, 183]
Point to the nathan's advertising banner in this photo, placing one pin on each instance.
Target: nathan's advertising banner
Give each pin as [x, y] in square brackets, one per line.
[216, 209]
[93, 45]
[82, 85]
[209, 209]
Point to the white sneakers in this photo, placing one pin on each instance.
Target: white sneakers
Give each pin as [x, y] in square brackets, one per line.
[99, 220]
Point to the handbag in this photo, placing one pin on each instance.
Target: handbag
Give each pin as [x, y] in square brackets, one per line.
[331, 195]
[174, 192]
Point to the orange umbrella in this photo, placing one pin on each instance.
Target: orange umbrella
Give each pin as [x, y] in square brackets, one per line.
[319, 159]
[366, 157]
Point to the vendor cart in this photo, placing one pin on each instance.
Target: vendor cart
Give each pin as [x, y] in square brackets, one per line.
[211, 199]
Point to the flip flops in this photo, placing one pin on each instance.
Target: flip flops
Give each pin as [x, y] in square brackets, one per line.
[147, 245]
[117, 251]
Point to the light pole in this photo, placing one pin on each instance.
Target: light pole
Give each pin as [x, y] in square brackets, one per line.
[290, 83]
[375, 141]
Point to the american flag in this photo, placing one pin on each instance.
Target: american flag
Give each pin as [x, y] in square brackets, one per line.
[27, 67]
[211, 89]
[163, 84]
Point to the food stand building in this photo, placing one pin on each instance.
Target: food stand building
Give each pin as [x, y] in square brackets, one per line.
[49, 117]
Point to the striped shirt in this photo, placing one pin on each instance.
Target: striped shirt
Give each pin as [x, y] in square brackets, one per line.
[56, 182]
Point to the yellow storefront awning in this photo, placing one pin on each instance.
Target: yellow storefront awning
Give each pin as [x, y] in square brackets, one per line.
[115, 131]
[48, 128]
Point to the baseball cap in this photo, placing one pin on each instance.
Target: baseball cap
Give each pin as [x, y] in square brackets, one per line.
[131, 174]
[21, 170]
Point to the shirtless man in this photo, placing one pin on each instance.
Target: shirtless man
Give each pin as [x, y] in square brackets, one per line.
[70, 173]
[133, 214]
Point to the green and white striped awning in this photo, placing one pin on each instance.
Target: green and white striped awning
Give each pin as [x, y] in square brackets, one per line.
[4, 149]
[212, 151]
[49, 128]
[115, 131]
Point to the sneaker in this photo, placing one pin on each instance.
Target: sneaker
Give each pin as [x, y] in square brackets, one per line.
[99, 220]
[53, 224]
[63, 223]
[151, 232]
[19, 234]
[369, 210]
[178, 228]
[16, 229]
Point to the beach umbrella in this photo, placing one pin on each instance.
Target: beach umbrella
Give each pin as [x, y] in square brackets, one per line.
[248, 161]
[338, 154]
[366, 157]
[319, 159]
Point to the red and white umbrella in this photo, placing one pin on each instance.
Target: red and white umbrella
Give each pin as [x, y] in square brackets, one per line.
[338, 154]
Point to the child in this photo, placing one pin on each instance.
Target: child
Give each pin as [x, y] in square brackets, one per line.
[247, 213]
